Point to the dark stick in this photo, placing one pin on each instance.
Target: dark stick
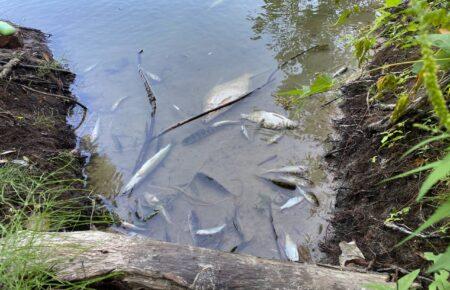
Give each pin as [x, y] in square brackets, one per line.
[269, 80]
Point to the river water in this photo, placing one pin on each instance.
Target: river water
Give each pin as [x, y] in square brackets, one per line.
[189, 47]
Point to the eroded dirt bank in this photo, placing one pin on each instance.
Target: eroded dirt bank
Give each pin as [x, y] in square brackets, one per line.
[362, 160]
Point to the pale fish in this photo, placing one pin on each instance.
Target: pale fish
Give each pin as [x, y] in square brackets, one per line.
[95, 131]
[210, 231]
[270, 120]
[340, 71]
[274, 139]
[130, 226]
[89, 68]
[225, 93]
[148, 166]
[294, 169]
[7, 152]
[117, 103]
[176, 108]
[288, 181]
[309, 196]
[153, 76]
[292, 202]
[290, 248]
[215, 3]
[224, 123]
[244, 131]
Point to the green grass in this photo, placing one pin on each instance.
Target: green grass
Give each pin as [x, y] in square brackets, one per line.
[33, 202]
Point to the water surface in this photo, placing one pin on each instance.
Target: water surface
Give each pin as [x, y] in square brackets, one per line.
[192, 46]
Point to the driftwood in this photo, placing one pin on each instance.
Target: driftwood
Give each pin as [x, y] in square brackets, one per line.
[148, 264]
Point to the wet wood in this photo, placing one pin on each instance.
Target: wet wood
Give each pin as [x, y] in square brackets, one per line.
[148, 264]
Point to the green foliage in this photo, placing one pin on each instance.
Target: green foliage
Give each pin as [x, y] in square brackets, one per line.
[403, 283]
[362, 47]
[397, 216]
[400, 107]
[392, 3]
[346, 14]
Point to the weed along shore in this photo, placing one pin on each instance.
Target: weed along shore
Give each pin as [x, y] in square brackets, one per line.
[317, 158]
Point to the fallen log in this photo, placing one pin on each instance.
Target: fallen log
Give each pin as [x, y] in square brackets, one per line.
[149, 264]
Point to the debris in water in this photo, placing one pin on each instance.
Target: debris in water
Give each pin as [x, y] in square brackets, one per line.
[292, 201]
[225, 93]
[20, 162]
[294, 169]
[117, 103]
[273, 157]
[270, 120]
[340, 71]
[274, 139]
[290, 249]
[148, 166]
[350, 252]
[210, 231]
[310, 197]
[154, 77]
[304, 253]
[95, 131]
[244, 131]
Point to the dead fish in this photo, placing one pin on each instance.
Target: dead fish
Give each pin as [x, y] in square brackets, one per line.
[148, 166]
[89, 68]
[244, 131]
[294, 169]
[292, 201]
[275, 139]
[205, 132]
[20, 162]
[176, 108]
[210, 231]
[7, 152]
[286, 181]
[225, 93]
[270, 120]
[95, 131]
[290, 248]
[309, 196]
[154, 77]
[130, 226]
[273, 157]
[193, 224]
[340, 71]
[117, 103]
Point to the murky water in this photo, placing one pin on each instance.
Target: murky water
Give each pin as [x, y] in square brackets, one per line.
[192, 46]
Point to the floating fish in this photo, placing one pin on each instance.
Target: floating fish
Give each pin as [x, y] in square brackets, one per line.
[244, 131]
[117, 103]
[205, 132]
[292, 201]
[130, 226]
[225, 93]
[176, 108]
[95, 131]
[270, 120]
[294, 169]
[210, 231]
[340, 71]
[309, 196]
[148, 166]
[215, 3]
[290, 248]
[89, 68]
[153, 77]
[286, 181]
[274, 139]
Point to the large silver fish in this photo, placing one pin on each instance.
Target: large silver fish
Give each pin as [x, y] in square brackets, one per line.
[225, 93]
[270, 120]
[309, 196]
[148, 166]
[210, 231]
[292, 202]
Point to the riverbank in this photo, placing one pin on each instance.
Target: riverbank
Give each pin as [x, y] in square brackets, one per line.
[376, 131]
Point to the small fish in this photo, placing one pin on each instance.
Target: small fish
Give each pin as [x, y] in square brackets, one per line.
[150, 199]
[273, 157]
[340, 71]
[89, 68]
[95, 131]
[148, 166]
[244, 131]
[7, 152]
[117, 103]
[270, 120]
[275, 139]
[292, 201]
[286, 181]
[309, 196]
[210, 231]
[290, 248]
[294, 169]
[176, 108]
[153, 77]
[224, 123]
[130, 226]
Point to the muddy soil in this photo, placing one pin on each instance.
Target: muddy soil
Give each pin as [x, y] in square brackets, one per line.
[363, 202]
[35, 102]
